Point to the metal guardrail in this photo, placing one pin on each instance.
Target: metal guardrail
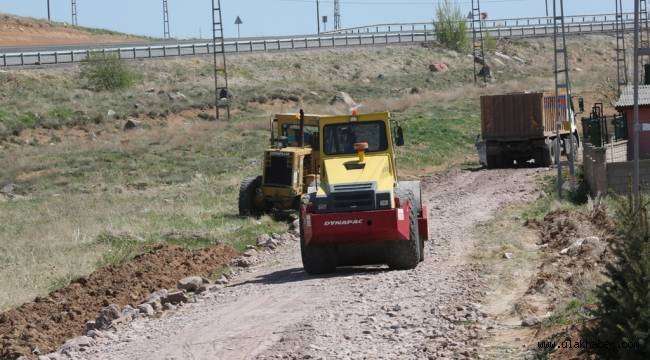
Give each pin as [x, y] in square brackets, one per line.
[490, 24]
[287, 44]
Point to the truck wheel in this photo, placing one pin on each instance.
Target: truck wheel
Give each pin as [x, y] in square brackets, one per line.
[544, 157]
[492, 161]
[405, 255]
[247, 192]
[316, 260]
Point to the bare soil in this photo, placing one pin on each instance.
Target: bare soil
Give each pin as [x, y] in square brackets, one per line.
[573, 247]
[19, 31]
[47, 322]
[275, 310]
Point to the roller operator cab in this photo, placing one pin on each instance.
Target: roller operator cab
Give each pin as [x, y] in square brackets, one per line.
[357, 212]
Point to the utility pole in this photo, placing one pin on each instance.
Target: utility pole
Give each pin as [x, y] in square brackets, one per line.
[478, 43]
[221, 91]
[74, 13]
[621, 62]
[546, 2]
[49, 13]
[636, 180]
[166, 32]
[318, 15]
[337, 14]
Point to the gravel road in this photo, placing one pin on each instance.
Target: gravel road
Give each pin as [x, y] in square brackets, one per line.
[274, 310]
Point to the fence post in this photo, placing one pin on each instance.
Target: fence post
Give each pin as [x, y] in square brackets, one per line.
[134, 54]
[164, 50]
[4, 60]
[149, 51]
[193, 49]
[600, 171]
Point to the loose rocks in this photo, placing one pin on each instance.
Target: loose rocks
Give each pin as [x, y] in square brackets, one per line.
[192, 283]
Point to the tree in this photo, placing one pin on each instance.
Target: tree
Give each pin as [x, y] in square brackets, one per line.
[623, 313]
[451, 26]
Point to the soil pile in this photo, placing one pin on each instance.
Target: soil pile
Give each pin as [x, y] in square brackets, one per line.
[47, 322]
[576, 247]
[17, 31]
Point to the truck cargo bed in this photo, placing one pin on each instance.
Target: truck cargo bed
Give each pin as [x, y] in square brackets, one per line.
[520, 116]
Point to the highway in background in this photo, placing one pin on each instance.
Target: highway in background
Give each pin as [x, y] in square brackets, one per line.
[377, 35]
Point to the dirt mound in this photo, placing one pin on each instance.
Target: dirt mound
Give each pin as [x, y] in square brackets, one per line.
[47, 322]
[16, 31]
[576, 248]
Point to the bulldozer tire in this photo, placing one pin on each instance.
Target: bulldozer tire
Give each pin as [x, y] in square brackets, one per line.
[316, 260]
[247, 192]
[406, 254]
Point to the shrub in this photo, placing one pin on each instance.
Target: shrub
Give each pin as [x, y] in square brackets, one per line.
[490, 41]
[451, 26]
[106, 72]
[623, 313]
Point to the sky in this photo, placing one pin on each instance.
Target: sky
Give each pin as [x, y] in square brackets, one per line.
[192, 18]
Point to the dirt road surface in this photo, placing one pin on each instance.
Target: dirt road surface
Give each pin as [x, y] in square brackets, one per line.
[274, 310]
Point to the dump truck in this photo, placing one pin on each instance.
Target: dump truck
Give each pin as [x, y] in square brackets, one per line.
[357, 211]
[289, 165]
[521, 126]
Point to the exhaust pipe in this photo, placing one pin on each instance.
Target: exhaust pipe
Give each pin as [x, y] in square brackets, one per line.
[302, 128]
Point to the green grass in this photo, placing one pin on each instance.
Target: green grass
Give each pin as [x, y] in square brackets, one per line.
[88, 204]
[574, 311]
[439, 134]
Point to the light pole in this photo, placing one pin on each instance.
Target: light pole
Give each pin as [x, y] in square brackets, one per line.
[49, 18]
[546, 2]
[635, 182]
[318, 15]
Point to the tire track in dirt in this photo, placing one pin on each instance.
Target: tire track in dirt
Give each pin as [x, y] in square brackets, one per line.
[274, 310]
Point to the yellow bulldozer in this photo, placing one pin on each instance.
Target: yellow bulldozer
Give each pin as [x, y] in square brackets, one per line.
[290, 165]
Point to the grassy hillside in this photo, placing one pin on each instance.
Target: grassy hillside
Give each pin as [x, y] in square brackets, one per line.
[81, 192]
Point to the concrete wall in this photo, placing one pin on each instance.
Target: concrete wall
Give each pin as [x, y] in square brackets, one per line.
[604, 176]
[595, 168]
[619, 176]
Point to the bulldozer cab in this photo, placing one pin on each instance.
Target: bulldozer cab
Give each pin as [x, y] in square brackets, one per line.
[291, 163]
